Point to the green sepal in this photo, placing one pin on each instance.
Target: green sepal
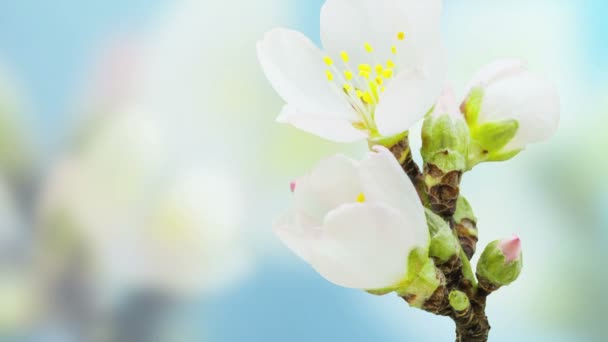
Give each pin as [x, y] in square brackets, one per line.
[493, 136]
[444, 244]
[458, 300]
[472, 106]
[420, 282]
[387, 142]
[492, 266]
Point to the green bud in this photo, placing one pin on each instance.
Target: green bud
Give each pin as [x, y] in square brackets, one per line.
[444, 244]
[501, 262]
[445, 138]
[459, 300]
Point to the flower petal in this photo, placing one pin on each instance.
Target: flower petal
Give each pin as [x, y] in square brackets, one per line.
[495, 71]
[297, 235]
[333, 182]
[295, 68]
[529, 99]
[346, 25]
[365, 246]
[385, 182]
[410, 96]
[332, 128]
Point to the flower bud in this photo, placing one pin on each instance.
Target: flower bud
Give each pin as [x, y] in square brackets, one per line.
[500, 263]
[507, 108]
[444, 245]
[445, 141]
[459, 300]
[445, 135]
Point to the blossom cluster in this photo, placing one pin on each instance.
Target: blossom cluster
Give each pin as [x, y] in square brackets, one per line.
[381, 224]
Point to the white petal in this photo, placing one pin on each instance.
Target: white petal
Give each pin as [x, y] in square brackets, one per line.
[410, 96]
[385, 182]
[346, 25]
[295, 68]
[531, 100]
[496, 71]
[297, 237]
[365, 246]
[332, 128]
[333, 182]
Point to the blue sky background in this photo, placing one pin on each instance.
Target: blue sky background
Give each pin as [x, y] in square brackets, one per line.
[49, 44]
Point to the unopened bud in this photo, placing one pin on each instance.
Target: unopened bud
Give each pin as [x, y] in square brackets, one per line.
[500, 263]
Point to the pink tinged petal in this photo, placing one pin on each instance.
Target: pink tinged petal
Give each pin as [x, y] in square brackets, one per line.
[332, 128]
[365, 246]
[292, 186]
[295, 68]
[446, 104]
[511, 248]
[409, 97]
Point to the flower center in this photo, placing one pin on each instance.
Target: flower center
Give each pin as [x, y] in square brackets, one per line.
[362, 86]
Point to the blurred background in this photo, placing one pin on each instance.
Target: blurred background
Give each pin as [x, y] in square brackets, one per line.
[141, 170]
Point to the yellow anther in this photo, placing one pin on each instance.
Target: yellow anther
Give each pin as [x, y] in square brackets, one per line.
[365, 74]
[401, 35]
[387, 73]
[390, 64]
[361, 198]
[365, 67]
[379, 68]
[348, 75]
[344, 56]
[359, 93]
[394, 49]
[367, 98]
[330, 75]
[382, 89]
[347, 87]
[368, 48]
[379, 80]
[328, 60]
[359, 125]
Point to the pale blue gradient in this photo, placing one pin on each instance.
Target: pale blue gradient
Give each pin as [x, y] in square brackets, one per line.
[48, 44]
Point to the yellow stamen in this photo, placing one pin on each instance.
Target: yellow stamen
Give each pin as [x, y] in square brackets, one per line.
[394, 49]
[347, 87]
[348, 75]
[379, 80]
[330, 76]
[368, 48]
[359, 93]
[364, 74]
[361, 198]
[390, 64]
[367, 98]
[328, 60]
[388, 73]
[382, 89]
[379, 68]
[401, 35]
[344, 56]
[365, 67]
